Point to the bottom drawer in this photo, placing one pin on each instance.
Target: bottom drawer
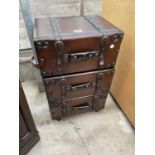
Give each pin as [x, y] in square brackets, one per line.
[71, 107]
[77, 106]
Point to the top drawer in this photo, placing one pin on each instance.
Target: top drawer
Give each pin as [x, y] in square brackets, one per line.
[73, 56]
[75, 44]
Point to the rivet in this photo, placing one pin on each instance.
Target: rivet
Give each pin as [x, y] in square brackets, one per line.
[97, 53]
[100, 75]
[112, 46]
[42, 59]
[46, 43]
[66, 58]
[90, 55]
[63, 81]
[75, 57]
[115, 36]
[101, 63]
[74, 88]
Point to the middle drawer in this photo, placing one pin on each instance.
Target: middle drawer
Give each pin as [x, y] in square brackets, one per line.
[77, 85]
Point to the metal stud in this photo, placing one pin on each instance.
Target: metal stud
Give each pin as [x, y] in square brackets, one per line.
[97, 53]
[66, 58]
[42, 44]
[87, 85]
[46, 43]
[42, 59]
[75, 57]
[43, 73]
[101, 63]
[90, 55]
[112, 46]
[115, 36]
[50, 72]
[100, 75]
[63, 81]
[74, 88]
[47, 81]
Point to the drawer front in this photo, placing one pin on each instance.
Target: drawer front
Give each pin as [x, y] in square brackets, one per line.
[72, 86]
[78, 85]
[77, 106]
[68, 56]
[79, 55]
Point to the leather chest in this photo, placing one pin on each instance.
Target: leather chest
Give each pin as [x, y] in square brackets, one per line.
[76, 57]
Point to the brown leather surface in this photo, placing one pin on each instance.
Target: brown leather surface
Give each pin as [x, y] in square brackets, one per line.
[70, 47]
[77, 106]
[76, 26]
[54, 86]
[54, 89]
[108, 27]
[42, 29]
[72, 27]
[78, 35]
[64, 46]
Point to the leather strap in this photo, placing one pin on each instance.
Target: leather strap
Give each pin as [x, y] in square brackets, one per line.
[59, 46]
[92, 21]
[56, 28]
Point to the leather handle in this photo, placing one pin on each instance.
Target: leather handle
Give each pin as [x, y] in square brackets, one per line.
[64, 87]
[81, 106]
[81, 86]
[80, 56]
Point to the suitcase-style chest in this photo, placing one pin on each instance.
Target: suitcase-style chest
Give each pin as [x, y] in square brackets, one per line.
[76, 57]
